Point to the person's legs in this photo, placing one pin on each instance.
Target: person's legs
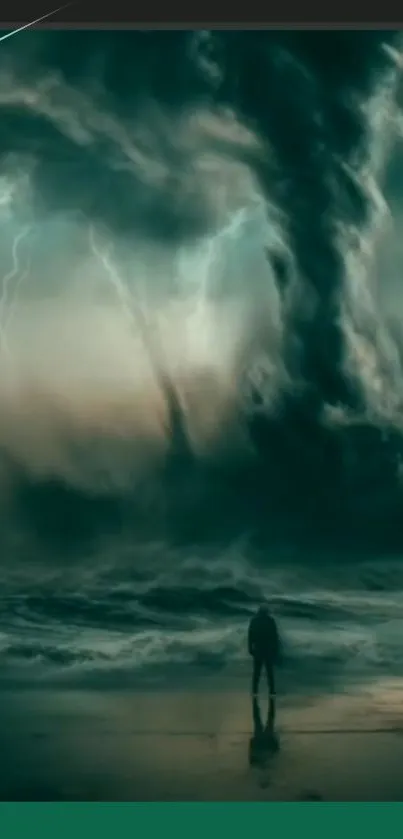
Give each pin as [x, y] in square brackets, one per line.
[270, 678]
[257, 669]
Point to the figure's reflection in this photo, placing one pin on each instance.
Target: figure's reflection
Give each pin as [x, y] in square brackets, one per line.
[264, 741]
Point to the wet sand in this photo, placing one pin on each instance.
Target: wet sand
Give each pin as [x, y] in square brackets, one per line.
[196, 746]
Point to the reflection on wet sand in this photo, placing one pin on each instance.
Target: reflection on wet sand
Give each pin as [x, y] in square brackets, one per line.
[264, 741]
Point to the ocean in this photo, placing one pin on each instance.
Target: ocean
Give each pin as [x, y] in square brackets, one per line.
[166, 615]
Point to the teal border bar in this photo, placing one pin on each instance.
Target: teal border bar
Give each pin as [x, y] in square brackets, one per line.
[55, 821]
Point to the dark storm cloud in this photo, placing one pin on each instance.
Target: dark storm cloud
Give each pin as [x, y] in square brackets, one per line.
[306, 94]
[107, 119]
[103, 116]
[303, 93]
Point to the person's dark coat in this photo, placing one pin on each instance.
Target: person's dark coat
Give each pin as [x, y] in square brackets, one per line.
[263, 638]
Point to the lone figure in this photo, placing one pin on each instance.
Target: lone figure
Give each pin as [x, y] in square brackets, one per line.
[264, 647]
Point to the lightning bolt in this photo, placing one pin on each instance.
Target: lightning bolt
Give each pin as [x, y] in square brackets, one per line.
[199, 268]
[104, 256]
[33, 22]
[195, 267]
[7, 279]
[5, 200]
[13, 305]
[133, 311]
[135, 315]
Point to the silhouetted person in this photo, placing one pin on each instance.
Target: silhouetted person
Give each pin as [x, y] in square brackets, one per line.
[264, 647]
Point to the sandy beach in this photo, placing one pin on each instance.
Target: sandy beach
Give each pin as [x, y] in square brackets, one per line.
[196, 746]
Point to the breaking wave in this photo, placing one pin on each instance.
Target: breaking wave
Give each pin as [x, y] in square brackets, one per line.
[339, 625]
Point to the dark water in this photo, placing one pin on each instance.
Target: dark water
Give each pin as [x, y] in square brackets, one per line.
[180, 613]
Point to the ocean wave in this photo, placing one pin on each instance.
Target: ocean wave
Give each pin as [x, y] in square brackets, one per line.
[340, 653]
[344, 623]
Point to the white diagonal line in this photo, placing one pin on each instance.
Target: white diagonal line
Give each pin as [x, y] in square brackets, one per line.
[33, 22]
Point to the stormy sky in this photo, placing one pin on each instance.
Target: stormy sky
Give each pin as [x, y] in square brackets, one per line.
[200, 248]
